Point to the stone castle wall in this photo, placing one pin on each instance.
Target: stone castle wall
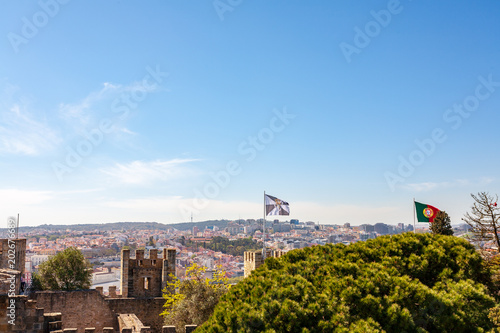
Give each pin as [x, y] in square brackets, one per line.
[79, 309]
[142, 282]
[28, 318]
[88, 308]
[146, 309]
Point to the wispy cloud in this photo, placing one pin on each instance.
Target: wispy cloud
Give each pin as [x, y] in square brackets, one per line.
[140, 172]
[82, 191]
[18, 198]
[179, 209]
[81, 114]
[127, 131]
[103, 103]
[430, 186]
[21, 132]
[25, 131]
[156, 204]
[176, 208]
[425, 186]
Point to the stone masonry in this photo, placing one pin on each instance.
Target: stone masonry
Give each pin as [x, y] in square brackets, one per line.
[146, 277]
[253, 259]
[12, 264]
[89, 311]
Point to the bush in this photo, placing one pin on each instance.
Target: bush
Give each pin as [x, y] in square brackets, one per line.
[193, 300]
[404, 283]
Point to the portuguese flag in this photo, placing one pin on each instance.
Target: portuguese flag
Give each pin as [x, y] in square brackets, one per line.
[425, 213]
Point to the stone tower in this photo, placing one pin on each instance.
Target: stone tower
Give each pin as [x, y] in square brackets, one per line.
[13, 251]
[145, 277]
[253, 259]
[12, 262]
[168, 266]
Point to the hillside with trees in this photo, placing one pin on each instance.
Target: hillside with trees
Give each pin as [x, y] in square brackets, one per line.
[402, 283]
[233, 247]
[124, 226]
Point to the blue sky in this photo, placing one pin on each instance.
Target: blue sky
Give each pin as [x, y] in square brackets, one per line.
[127, 111]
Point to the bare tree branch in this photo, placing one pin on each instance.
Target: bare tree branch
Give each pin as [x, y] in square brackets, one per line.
[483, 219]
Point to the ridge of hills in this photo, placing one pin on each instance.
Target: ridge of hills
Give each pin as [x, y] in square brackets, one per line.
[125, 226]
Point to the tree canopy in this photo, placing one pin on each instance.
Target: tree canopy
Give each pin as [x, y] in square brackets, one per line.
[233, 247]
[192, 301]
[402, 283]
[67, 270]
[441, 224]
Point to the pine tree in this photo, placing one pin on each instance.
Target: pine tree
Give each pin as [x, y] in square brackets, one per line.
[400, 283]
[441, 224]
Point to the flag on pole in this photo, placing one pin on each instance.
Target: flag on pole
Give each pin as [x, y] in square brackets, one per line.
[425, 213]
[275, 206]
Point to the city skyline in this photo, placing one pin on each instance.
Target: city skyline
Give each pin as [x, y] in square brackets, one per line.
[162, 111]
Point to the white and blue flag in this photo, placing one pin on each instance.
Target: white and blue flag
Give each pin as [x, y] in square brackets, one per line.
[275, 206]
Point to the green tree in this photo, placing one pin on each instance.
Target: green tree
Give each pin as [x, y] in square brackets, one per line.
[192, 301]
[36, 284]
[235, 280]
[67, 270]
[484, 220]
[441, 224]
[401, 283]
[233, 247]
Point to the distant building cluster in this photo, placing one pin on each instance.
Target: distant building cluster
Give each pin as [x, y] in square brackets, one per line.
[130, 269]
[103, 248]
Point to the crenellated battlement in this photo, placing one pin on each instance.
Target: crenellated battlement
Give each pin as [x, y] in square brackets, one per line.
[146, 276]
[90, 311]
[253, 259]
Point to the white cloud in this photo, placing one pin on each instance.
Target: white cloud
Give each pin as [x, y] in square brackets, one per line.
[149, 204]
[21, 133]
[426, 186]
[177, 209]
[19, 198]
[80, 206]
[101, 104]
[342, 213]
[81, 113]
[127, 131]
[486, 180]
[83, 191]
[139, 172]
[24, 132]
[430, 186]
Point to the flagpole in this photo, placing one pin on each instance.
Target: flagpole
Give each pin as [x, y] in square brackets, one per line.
[264, 230]
[414, 213]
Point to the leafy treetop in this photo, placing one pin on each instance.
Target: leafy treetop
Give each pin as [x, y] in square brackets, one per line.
[402, 283]
[193, 300]
[441, 224]
[67, 270]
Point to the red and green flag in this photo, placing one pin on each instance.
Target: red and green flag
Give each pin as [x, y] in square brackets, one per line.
[425, 213]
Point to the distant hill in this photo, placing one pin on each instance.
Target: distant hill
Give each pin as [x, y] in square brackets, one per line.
[125, 226]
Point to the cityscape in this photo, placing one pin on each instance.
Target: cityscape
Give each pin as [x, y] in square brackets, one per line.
[103, 248]
[249, 166]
